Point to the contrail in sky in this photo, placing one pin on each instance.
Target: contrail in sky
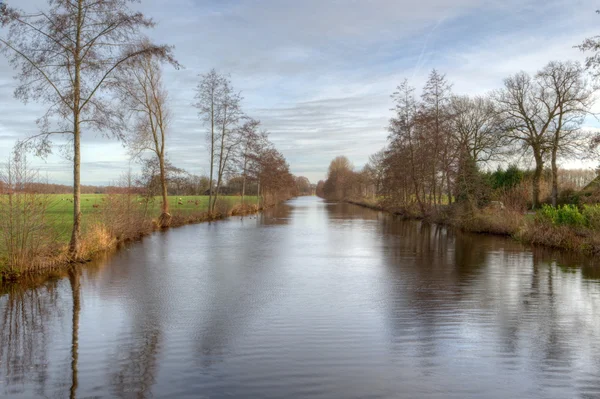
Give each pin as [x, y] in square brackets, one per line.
[418, 65]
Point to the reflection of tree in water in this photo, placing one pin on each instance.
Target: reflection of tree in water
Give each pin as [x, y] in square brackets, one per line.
[278, 215]
[345, 211]
[239, 284]
[419, 256]
[138, 364]
[438, 275]
[75, 282]
[24, 336]
[135, 367]
[430, 254]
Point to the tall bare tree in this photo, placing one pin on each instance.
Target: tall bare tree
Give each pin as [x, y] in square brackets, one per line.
[67, 57]
[563, 85]
[435, 118]
[249, 144]
[209, 93]
[527, 112]
[142, 90]
[229, 116]
[405, 147]
[543, 115]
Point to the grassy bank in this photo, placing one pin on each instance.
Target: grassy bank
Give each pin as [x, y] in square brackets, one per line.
[566, 228]
[36, 228]
[60, 208]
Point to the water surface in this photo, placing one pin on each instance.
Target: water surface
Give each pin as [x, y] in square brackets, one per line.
[309, 300]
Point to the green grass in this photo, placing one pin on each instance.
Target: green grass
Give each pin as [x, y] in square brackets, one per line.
[188, 203]
[60, 210]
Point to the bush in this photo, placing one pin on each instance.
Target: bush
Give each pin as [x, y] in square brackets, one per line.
[566, 215]
[506, 179]
[568, 196]
[97, 238]
[592, 216]
[562, 237]
[27, 238]
[491, 221]
[124, 216]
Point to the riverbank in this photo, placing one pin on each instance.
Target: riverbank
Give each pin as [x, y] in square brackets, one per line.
[528, 228]
[107, 232]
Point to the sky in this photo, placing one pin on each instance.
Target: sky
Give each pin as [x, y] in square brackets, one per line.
[319, 73]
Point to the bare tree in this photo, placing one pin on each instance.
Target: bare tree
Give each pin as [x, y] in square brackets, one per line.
[303, 185]
[142, 90]
[543, 115]
[434, 116]
[256, 155]
[562, 84]
[405, 146]
[250, 138]
[277, 183]
[208, 96]
[375, 170]
[228, 137]
[476, 127]
[527, 113]
[219, 106]
[67, 57]
[338, 176]
[592, 45]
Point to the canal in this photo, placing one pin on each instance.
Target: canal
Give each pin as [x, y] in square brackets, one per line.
[309, 300]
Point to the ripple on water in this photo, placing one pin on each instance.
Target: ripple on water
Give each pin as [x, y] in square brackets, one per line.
[313, 300]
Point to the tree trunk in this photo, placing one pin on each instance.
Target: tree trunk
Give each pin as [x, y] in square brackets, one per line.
[75, 244]
[165, 217]
[449, 188]
[433, 186]
[258, 193]
[243, 189]
[554, 178]
[221, 160]
[212, 155]
[537, 176]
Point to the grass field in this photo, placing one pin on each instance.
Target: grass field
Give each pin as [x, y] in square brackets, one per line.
[60, 209]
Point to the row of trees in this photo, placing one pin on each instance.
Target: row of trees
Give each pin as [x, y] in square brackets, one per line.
[91, 64]
[439, 143]
[238, 147]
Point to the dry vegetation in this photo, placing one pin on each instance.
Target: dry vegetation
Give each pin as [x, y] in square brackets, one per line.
[34, 225]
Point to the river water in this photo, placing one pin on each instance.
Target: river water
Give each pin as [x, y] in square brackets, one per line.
[309, 300]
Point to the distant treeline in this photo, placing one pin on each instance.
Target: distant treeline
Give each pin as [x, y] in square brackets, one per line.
[441, 146]
[179, 182]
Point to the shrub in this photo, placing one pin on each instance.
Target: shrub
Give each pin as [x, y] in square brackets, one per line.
[96, 238]
[566, 215]
[516, 198]
[26, 234]
[568, 196]
[556, 236]
[592, 216]
[124, 216]
[506, 179]
[488, 220]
